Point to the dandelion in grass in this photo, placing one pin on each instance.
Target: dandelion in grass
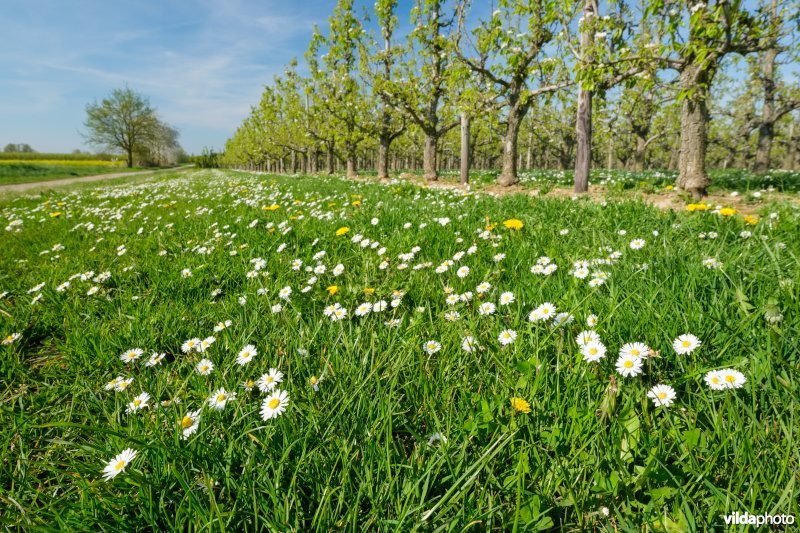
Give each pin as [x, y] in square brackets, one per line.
[507, 336]
[344, 230]
[246, 355]
[190, 345]
[486, 308]
[204, 367]
[155, 359]
[637, 244]
[129, 356]
[220, 398]
[11, 339]
[274, 405]
[634, 349]
[686, 344]
[118, 464]
[431, 347]
[514, 224]
[585, 337]
[270, 380]
[190, 423]
[139, 402]
[520, 405]
[662, 395]
[593, 351]
[629, 365]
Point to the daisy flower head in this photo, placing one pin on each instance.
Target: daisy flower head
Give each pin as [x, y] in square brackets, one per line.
[13, 338]
[131, 355]
[139, 402]
[507, 336]
[219, 398]
[155, 359]
[634, 349]
[363, 309]
[204, 367]
[585, 337]
[629, 365]
[118, 464]
[189, 423]
[246, 355]
[662, 395]
[314, 381]
[483, 288]
[486, 308]
[637, 244]
[593, 351]
[686, 344]
[270, 380]
[431, 347]
[546, 311]
[274, 405]
[469, 344]
[591, 321]
[205, 344]
[507, 298]
[285, 293]
[562, 319]
[190, 345]
[463, 272]
[732, 379]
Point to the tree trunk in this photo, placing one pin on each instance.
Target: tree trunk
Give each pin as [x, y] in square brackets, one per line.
[692, 175]
[383, 156]
[583, 120]
[130, 158]
[791, 149]
[529, 153]
[766, 129]
[637, 164]
[429, 158]
[583, 131]
[508, 175]
[351, 164]
[465, 162]
[294, 162]
[329, 161]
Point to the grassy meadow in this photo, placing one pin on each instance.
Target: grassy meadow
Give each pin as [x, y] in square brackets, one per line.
[33, 167]
[218, 350]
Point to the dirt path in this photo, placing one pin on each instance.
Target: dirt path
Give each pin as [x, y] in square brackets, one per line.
[19, 187]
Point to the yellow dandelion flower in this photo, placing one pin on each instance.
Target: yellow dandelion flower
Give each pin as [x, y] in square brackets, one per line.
[727, 211]
[513, 223]
[55, 214]
[273, 207]
[369, 290]
[357, 202]
[520, 406]
[333, 289]
[750, 219]
[342, 231]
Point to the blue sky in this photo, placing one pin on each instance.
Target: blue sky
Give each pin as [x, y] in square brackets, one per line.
[203, 63]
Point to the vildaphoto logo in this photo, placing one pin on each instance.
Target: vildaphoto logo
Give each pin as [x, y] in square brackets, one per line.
[742, 519]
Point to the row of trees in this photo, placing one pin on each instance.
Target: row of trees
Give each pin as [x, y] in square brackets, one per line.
[126, 122]
[572, 83]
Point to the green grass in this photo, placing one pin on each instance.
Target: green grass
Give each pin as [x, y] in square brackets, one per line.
[28, 172]
[355, 454]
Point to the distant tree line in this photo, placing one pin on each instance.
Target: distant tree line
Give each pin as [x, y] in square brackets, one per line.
[21, 148]
[534, 84]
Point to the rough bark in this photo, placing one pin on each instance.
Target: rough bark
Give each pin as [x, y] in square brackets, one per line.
[692, 175]
[329, 160]
[766, 130]
[508, 174]
[429, 158]
[583, 131]
[383, 156]
[351, 164]
[465, 162]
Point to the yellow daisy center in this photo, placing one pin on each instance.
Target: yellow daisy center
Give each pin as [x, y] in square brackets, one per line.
[274, 403]
[136, 402]
[730, 378]
[686, 344]
[635, 352]
[593, 350]
[221, 398]
[186, 422]
[662, 395]
[119, 466]
[269, 379]
[628, 364]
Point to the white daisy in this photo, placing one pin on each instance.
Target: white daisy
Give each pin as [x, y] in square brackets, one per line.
[189, 423]
[431, 347]
[629, 365]
[662, 395]
[593, 351]
[118, 464]
[220, 398]
[507, 336]
[204, 367]
[131, 355]
[269, 381]
[246, 355]
[139, 402]
[686, 344]
[274, 405]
